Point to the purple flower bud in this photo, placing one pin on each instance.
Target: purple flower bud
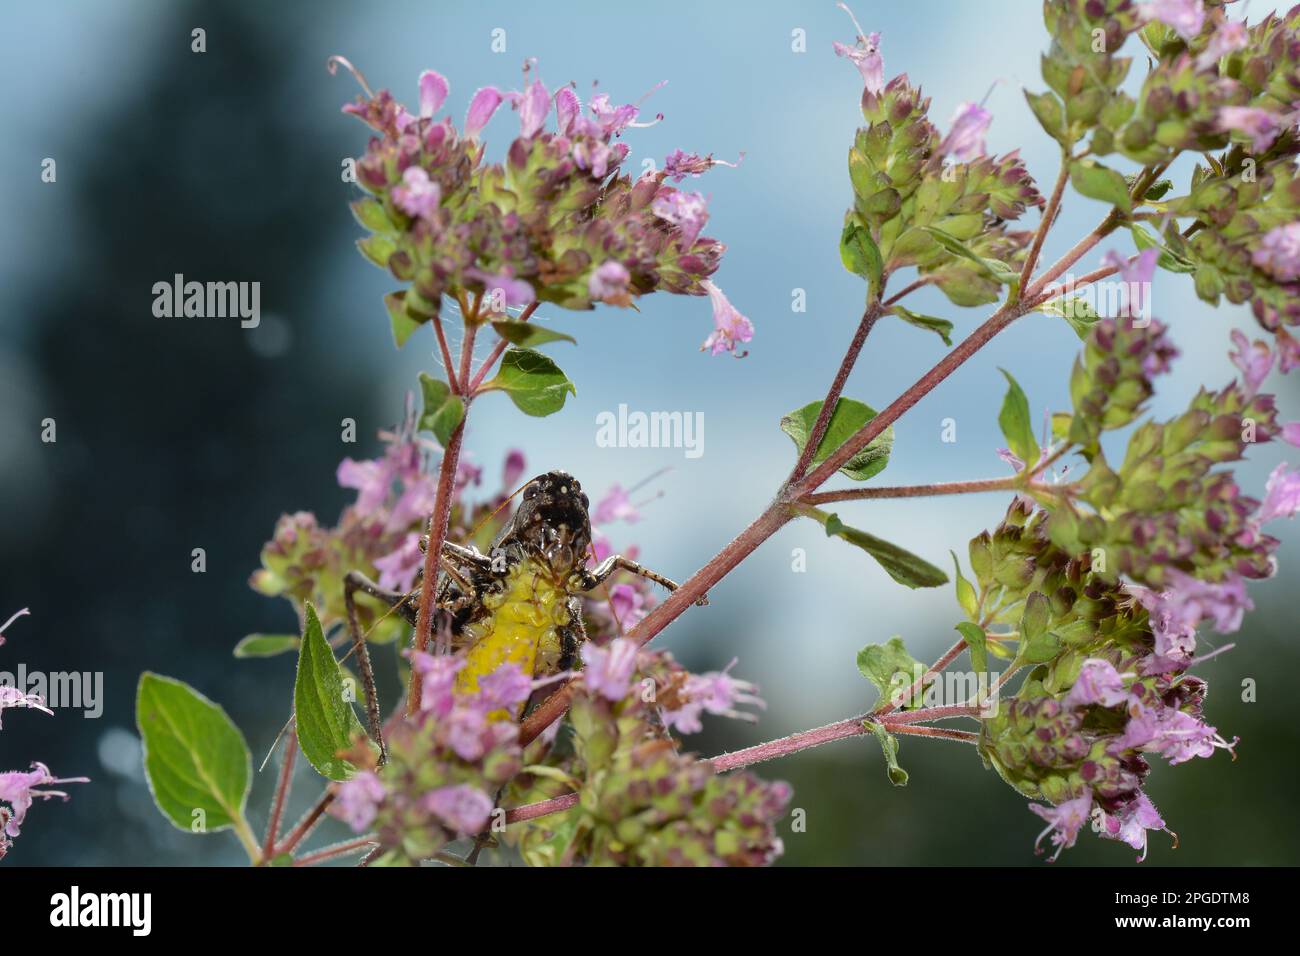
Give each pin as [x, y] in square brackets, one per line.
[481, 108]
[512, 291]
[965, 140]
[679, 164]
[609, 282]
[1281, 495]
[418, 196]
[615, 506]
[1184, 17]
[1260, 125]
[1228, 37]
[462, 807]
[513, 469]
[687, 211]
[533, 105]
[1098, 683]
[1278, 254]
[608, 670]
[398, 568]
[865, 55]
[356, 801]
[1254, 361]
[433, 93]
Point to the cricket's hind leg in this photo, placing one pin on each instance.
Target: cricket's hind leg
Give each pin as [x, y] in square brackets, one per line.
[616, 562]
[353, 582]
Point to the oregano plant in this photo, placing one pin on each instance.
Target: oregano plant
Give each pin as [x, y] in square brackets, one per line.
[1082, 610]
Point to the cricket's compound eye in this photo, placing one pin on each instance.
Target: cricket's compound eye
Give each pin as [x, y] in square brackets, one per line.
[530, 492]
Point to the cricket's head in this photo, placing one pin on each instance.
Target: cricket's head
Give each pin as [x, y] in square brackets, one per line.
[552, 520]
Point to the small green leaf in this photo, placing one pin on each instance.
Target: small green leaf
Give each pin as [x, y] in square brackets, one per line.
[325, 719]
[993, 269]
[966, 596]
[534, 383]
[889, 747]
[1050, 113]
[940, 327]
[1096, 181]
[891, 669]
[847, 419]
[443, 411]
[370, 213]
[977, 643]
[861, 255]
[1166, 260]
[266, 645]
[528, 334]
[195, 758]
[1015, 423]
[402, 324]
[1037, 613]
[377, 249]
[1075, 310]
[900, 564]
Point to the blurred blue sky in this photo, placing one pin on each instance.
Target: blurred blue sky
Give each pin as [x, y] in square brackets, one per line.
[734, 85]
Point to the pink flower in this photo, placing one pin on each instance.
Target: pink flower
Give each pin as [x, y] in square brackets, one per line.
[1281, 495]
[418, 196]
[687, 211]
[13, 697]
[1260, 125]
[481, 108]
[1098, 683]
[715, 692]
[356, 801]
[1288, 350]
[504, 689]
[397, 569]
[438, 672]
[609, 282]
[1254, 361]
[462, 807]
[965, 140]
[612, 119]
[1175, 735]
[1291, 433]
[533, 105]
[1278, 254]
[1228, 37]
[608, 670]
[864, 54]
[1131, 823]
[513, 469]
[678, 165]
[1063, 822]
[433, 93]
[730, 328]
[1184, 17]
[465, 729]
[568, 110]
[615, 506]
[1136, 276]
[373, 480]
[626, 605]
[18, 789]
[512, 291]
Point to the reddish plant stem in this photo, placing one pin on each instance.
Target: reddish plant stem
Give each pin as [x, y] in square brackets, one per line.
[1010, 483]
[837, 387]
[304, 826]
[944, 733]
[1045, 225]
[923, 714]
[282, 787]
[447, 363]
[337, 849]
[497, 351]
[907, 290]
[540, 809]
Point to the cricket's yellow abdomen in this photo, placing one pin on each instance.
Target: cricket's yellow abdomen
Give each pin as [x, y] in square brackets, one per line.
[521, 630]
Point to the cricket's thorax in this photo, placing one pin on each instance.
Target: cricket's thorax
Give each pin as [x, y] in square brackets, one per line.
[525, 621]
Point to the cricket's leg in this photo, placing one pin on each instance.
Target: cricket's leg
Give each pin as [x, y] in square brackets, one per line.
[616, 562]
[470, 557]
[356, 581]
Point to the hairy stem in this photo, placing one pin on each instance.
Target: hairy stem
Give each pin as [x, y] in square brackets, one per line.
[497, 351]
[308, 823]
[447, 363]
[337, 849]
[281, 794]
[1045, 225]
[1009, 483]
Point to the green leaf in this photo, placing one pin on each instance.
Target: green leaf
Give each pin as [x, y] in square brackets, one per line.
[1050, 113]
[534, 383]
[881, 663]
[977, 643]
[940, 327]
[195, 758]
[443, 411]
[377, 249]
[847, 419]
[325, 719]
[966, 596]
[1096, 181]
[370, 213]
[993, 269]
[527, 334]
[266, 645]
[1036, 615]
[1075, 310]
[1143, 239]
[1015, 423]
[900, 564]
[861, 255]
[889, 747]
[402, 324]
